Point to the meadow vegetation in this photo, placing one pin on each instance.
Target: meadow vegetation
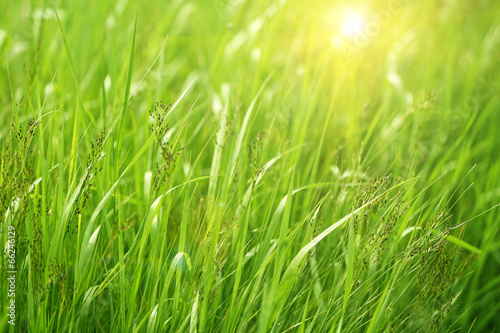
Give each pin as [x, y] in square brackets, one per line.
[237, 165]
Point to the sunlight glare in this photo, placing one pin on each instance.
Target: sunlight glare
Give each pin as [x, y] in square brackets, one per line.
[352, 24]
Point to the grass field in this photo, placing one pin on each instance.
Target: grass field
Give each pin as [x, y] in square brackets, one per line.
[250, 166]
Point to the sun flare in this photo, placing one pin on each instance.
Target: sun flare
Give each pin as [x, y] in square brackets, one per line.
[352, 24]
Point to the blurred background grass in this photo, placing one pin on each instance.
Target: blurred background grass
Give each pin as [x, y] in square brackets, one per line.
[418, 96]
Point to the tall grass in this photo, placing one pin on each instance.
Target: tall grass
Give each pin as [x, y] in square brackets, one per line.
[223, 166]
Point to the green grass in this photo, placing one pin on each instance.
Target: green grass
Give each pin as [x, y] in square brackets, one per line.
[233, 166]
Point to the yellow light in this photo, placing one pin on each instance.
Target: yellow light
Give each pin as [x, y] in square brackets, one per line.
[352, 24]
[337, 41]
